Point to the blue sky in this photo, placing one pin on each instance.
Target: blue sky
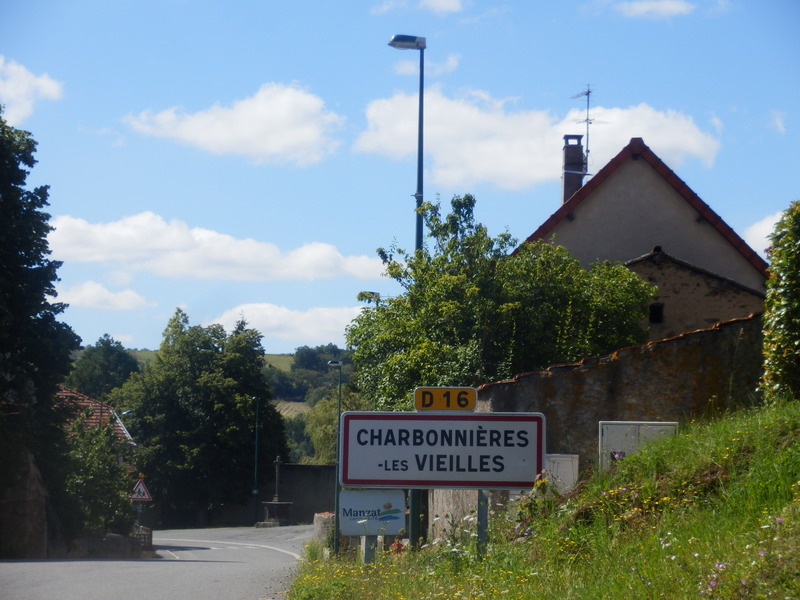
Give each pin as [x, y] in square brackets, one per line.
[248, 158]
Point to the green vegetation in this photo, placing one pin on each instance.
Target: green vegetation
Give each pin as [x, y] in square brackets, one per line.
[35, 347]
[712, 513]
[193, 416]
[321, 423]
[98, 485]
[305, 379]
[305, 375]
[101, 368]
[782, 307]
[143, 357]
[282, 362]
[471, 313]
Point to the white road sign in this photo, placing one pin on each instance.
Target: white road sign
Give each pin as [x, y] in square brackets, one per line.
[456, 450]
[372, 512]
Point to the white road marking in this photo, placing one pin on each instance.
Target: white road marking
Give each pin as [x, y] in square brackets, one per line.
[246, 544]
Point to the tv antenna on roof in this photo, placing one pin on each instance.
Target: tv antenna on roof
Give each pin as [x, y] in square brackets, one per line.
[588, 120]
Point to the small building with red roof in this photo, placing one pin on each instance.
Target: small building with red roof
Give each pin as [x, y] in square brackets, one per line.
[95, 413]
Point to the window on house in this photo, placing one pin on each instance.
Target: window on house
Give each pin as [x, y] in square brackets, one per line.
[657, 312]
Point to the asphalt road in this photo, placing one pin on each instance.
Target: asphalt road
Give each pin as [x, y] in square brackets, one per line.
[241, 563]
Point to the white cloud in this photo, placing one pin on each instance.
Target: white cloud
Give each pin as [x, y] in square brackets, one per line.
[480, 139]
[20, 89]
[146, 242]
[411, 67]
[436, 6]
[407, 67]
[441, 6]
[757, 235]
[388, 6]
[778, 121]
[719, 6]
[672, 135]
[91, 294]
[717, 124]
[314, 326]
[448, 66]
[278, 124]
[654, 9]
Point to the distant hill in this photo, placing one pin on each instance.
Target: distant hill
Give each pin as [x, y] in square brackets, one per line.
[143, 356]
[282, 362]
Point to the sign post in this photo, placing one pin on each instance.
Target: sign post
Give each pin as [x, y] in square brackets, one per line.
[436, 399]
[140, 494]
[435, 450]
[444, 450]
[370, 513]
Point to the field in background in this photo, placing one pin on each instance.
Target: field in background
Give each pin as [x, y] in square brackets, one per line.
[279, 361]
[282, 362]
[291, 409]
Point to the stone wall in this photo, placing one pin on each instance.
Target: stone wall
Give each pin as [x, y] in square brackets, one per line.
[691, 298]
[670, 380]
[310, 489]
[678, 379]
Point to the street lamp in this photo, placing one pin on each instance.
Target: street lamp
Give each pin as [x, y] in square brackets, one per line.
[412, 42]
[255, 468]
[338, 365]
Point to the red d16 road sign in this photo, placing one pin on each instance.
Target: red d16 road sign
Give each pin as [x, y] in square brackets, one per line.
[453, 450]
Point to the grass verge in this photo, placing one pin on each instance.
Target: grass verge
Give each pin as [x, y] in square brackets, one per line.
[710, 513]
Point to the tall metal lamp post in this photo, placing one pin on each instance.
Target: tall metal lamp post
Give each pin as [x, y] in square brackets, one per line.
[255, 467]
[337, 364]
[412, 42]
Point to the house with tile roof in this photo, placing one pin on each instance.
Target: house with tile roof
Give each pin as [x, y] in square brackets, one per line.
[638, 211]
[705, 340]
[95, 413]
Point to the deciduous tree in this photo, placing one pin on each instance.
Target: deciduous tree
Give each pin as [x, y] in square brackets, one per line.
[194, 415]
[101, 368]
[322, 421]
[470, 312]
[34, 346]
[97, 482]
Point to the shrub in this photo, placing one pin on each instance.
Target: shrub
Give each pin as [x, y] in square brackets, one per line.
[782, 308]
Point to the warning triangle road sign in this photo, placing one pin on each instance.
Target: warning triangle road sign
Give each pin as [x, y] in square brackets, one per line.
[140, 492]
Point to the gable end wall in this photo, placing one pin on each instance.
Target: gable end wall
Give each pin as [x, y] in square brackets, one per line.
[636, 209]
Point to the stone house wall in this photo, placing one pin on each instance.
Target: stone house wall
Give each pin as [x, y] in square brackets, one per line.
[691, 298]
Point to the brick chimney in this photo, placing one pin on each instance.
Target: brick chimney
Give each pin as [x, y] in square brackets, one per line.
[574, 166]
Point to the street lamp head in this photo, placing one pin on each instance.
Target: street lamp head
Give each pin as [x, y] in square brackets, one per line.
[407, 42]
[335, 363]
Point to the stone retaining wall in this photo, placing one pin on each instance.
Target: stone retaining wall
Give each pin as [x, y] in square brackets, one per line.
[678, 379]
